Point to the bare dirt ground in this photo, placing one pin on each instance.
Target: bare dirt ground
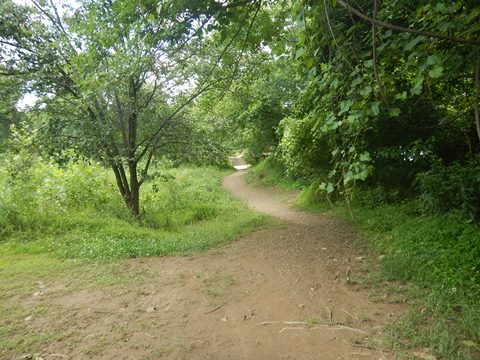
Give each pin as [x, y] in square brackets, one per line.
[279, 293]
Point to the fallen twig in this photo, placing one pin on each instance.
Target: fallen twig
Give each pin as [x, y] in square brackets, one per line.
[102, 312]
[283, 322]
[291, 328]
[331, 327]
[368, 347]
[351, 315]
[212, 310]
[339, 327]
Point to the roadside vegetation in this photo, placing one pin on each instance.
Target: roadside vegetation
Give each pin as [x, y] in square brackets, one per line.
[68, 223]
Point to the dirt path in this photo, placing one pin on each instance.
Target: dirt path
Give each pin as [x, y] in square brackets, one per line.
[278, 293]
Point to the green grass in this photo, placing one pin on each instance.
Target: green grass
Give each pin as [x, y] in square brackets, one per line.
[188, 212]
[441, 257]
[434, 259]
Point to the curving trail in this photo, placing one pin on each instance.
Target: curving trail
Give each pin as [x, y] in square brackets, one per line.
[267, 201]
[278, 293]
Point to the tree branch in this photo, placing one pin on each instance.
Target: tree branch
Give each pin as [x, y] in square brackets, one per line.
[246, 38]
[333, 35]
[152, 140]
[374, 54]
[436, 126]
[404, 29]
[146, 167]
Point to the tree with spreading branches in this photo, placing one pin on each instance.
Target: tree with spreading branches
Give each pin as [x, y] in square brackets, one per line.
[125, 70]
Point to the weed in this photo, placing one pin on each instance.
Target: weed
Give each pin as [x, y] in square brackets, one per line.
[52, 227]
[187, 212]
[310, 323]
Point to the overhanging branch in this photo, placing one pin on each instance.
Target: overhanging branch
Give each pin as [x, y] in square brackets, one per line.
[404, 29]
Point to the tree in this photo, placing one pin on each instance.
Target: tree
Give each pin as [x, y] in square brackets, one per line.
[122, 68]
[392, 87]
[10, 94]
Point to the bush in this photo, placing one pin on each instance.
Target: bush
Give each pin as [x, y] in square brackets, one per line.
[456, 186]
[440, 254]
[271, 172]
[303, 153]
[34, 193]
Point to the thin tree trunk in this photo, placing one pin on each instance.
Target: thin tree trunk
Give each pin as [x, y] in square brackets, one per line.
[130, 191]
[134, 199]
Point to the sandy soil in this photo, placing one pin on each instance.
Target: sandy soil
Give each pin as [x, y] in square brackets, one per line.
[279, 293]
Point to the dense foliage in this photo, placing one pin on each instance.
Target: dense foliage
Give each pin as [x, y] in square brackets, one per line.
[385, 103]
[116, 76]
[74, 211]
[376, 94]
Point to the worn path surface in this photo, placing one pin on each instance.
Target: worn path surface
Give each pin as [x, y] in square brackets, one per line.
[279, 293]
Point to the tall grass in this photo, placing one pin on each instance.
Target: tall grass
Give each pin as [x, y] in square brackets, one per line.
[76, 211]
[440, 255]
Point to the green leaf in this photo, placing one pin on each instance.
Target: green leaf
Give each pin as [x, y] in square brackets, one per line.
[299, 53]
[366, 91]
[432, 60]
[436, 72]
[329, 188]
[363, 174]
[394, 112]
[348, 177]
[418, 87]
[401, 96]
[345, 106]
[375, 108]
[412, 43]
[353, 117]
[365, 157]
[357, 81]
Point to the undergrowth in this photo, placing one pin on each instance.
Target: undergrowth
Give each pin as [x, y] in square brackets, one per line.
[75, 211]
[270, 173]
[438, 255]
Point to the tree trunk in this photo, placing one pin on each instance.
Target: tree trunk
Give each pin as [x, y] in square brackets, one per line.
[134, 198]
[133, 202]
[130, 191]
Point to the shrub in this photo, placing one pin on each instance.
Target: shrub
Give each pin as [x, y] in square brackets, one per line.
[303, 153]
[456, 186]
[35, 193]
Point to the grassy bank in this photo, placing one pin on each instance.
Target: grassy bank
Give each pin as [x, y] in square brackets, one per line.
[75, 212]
[437, 258]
